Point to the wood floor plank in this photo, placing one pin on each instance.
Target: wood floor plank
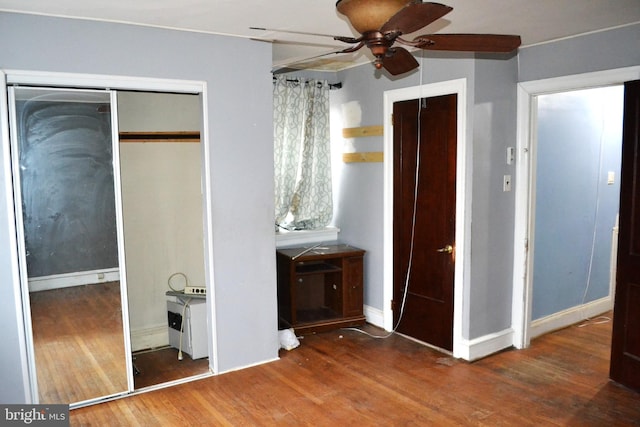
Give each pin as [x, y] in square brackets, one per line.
[162, 365]
[346, 378]
[79, 343]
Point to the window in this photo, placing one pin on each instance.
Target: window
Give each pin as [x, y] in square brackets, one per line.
[302, 157]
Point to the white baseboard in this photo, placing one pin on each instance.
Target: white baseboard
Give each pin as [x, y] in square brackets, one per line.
[374, 316]
[483, 346]
[468, 349]
[154, 337]
[251, 365]
[568, 317]
[67, 280]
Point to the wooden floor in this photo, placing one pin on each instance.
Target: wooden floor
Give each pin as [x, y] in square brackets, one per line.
[162, 365]
[78, 341]
[346, 378]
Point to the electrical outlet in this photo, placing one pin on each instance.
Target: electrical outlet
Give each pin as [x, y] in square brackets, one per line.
[506, 183]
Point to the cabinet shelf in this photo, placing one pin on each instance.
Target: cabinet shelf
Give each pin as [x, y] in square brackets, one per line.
[321, 289]
[316, 315]
[316, 268]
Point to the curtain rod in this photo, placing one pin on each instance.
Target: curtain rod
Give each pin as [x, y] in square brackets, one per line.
[332, 86]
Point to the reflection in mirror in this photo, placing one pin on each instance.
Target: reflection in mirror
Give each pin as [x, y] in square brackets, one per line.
[160, 168]
[69, 251]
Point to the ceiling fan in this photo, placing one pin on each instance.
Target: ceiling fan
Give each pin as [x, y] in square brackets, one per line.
[381, 23]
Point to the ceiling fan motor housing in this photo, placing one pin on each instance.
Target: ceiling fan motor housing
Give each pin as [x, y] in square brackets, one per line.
[379, 45]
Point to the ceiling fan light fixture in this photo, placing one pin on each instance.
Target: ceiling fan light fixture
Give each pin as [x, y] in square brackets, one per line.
[370, 15]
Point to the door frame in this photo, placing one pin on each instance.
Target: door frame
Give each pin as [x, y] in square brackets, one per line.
[111, 83]
[21, 343]
[463, 203]
[526, 144]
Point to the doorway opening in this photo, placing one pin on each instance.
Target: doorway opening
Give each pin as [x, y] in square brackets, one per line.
[575, 197]
[524, 245]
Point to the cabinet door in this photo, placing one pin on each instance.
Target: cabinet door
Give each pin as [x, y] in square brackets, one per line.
[352, 281]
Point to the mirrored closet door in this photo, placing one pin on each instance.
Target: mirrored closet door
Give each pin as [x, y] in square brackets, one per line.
[103, 178]
[161, 175]
[68, 232]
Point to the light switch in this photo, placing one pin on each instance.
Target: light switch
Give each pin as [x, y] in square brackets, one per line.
[511, 155]
[611, 178]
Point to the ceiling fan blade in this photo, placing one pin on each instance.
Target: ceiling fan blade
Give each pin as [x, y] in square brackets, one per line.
[333, 52]
[494, 43]
[415, 16]
[304, 33]
[293, 65]
[398, 61]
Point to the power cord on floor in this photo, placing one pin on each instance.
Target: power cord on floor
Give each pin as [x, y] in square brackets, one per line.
[588, 321]
[595, 321]
[184, 310]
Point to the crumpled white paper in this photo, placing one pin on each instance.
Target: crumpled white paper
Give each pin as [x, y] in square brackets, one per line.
[288, 339]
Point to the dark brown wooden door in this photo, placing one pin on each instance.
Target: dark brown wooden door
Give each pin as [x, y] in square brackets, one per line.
[625, 346]
[424, 246]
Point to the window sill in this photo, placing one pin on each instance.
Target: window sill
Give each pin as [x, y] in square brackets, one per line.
[300, 237]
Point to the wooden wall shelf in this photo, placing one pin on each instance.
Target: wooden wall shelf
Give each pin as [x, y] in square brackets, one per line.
[363, 157]
[362, 131]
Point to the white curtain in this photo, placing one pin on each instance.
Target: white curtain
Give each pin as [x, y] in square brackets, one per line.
[303, 199]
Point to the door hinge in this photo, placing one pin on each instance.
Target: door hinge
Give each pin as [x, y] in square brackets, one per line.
[394, 306]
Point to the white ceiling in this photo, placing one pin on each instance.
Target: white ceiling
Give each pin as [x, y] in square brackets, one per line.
[536, 21]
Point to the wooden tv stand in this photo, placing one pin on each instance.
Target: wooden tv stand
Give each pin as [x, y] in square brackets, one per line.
[320, 289]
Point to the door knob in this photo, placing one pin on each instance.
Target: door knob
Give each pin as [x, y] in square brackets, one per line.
[448, 249]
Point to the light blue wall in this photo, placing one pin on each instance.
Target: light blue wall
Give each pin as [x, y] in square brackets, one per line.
[605, 50]
[237, 74]
[492, 209]
[579, 142]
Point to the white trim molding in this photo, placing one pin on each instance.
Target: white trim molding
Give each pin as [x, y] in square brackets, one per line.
[570, 316]
[286, 238]
[84, 81]
[486, 345]
[374, 316]
[149, 338]
[13, 294]
[68, 280]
